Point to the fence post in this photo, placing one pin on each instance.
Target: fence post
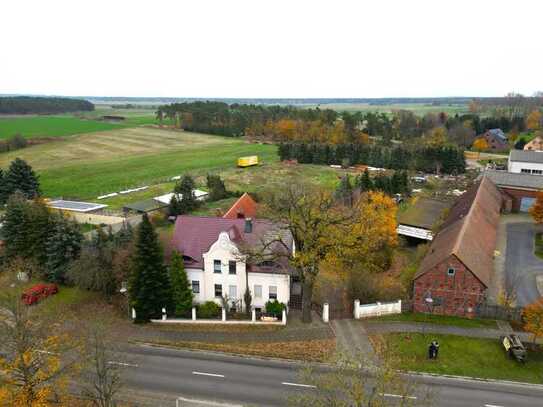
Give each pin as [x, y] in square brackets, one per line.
[194, 313]
[325, 312]
[400, 303]
[284, 320]
[253, 315]
[164, 314]
[133, 313]
[223, 314]
[356, 309]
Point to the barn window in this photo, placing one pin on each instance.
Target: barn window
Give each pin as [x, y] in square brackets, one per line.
[451, 271]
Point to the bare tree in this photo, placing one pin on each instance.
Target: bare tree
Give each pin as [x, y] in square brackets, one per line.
[101, 378]
[351, 383]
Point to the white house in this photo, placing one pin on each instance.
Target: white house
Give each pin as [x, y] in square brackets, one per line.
[216, 266]
[526, 162]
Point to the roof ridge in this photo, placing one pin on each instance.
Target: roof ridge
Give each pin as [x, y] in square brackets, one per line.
[466, 218]
[234, 204]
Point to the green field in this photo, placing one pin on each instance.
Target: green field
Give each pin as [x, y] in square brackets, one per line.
[474, 357]
[88, 165]
[59, 126]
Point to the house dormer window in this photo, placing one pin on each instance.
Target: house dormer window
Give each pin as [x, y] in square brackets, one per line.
[217, 266]
[231, 267]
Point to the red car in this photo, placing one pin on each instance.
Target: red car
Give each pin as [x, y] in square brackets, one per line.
[36, 293]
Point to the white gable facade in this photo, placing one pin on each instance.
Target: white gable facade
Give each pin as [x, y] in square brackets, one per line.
[225, 274]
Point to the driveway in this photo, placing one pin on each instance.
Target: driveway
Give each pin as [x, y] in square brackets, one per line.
[521, 264]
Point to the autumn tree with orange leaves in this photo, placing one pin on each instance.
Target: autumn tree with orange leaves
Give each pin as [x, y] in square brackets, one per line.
[30, 362]
[537, 208]
[533, 319]
[533, 120]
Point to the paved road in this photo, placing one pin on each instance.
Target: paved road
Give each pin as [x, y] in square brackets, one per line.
[521, 265]
[172, 373]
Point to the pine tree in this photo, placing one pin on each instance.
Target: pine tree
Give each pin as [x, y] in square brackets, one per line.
[62, 246]
[181, 290]
[150, 288]
[364, 182]
[217, 189]
[188, 200]
[344, 191]
[21, 177]
[175, 207]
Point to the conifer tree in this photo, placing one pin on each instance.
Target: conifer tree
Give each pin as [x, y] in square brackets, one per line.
[62, 246]
[188, 200]
[217, 189]
[150, 288]
[181, 290]
[175, 207]
[364, 182]
[21, 177]
[344, 191]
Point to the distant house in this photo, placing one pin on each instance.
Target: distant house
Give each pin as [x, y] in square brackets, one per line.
[535, 145]
[244, 207]
[212, 248]
[525, 161]
[457, 270]
[496, 139]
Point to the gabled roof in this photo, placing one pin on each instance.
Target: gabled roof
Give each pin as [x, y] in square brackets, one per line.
[515, 180]
[244, 207]
[469, 232]
[194, 235]
[526, 156]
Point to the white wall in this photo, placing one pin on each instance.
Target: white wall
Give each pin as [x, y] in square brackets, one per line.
[377, 309]
[225, 250]
[281, 281]
[517, 166]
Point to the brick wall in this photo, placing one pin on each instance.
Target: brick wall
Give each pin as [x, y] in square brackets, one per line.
[516, 196]
[456, 294]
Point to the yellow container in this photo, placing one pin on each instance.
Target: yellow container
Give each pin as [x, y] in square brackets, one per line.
[248, 161]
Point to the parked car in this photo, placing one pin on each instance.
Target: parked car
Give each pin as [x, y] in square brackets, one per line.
[514, 347]
[37, 292]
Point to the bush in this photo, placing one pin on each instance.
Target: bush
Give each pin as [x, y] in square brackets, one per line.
[275, 308]
[208, 309]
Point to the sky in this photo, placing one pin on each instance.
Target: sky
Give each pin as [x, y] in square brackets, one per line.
[271, 49]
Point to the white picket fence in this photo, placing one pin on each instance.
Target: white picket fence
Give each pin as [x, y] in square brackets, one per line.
[376, 309]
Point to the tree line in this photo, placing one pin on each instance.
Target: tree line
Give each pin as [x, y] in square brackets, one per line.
[440, 159]
[42, 105]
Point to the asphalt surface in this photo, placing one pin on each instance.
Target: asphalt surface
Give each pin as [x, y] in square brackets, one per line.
[246, 381]
[521, 264]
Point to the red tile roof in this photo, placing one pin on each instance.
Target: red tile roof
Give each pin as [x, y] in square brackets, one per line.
[469, 232]
[244, 207]
[194, 235]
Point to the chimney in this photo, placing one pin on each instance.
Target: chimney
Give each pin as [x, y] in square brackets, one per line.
[248, 225]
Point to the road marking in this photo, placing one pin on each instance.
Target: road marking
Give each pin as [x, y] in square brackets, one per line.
[207, 374]
[46, 352]
[112, 362]
[397, 396]
[204, 402]
[299, 385]
[492, 405]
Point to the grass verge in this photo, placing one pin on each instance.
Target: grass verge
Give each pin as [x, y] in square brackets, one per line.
[538, 245]
[472, 357]
[316, 350]
[438, 320]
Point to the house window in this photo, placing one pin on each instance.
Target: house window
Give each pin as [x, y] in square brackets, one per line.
[232, 291]
[218, 290]
[258, 291]
[273, 292]
[217, 266]
[525, 170]
[231, 267]
[451, 271]
[195, 287]
[538, 172]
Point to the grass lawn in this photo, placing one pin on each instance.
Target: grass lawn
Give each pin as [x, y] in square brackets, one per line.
[538, 245]
[482, 358]
[59, 126]
[438, 320]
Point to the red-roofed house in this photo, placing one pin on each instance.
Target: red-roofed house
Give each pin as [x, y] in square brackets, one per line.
[212, 248]
[244, 207]
[459, 265]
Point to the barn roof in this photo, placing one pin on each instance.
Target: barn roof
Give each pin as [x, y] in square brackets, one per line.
[526, 156]
[469, 232]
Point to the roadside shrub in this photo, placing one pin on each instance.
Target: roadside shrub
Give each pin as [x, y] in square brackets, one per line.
[275, 308]
[208, 309]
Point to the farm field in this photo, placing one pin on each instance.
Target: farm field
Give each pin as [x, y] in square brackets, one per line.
[88, 165]
[59, 126]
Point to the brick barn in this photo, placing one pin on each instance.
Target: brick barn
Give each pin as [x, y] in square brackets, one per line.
[458, 268]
